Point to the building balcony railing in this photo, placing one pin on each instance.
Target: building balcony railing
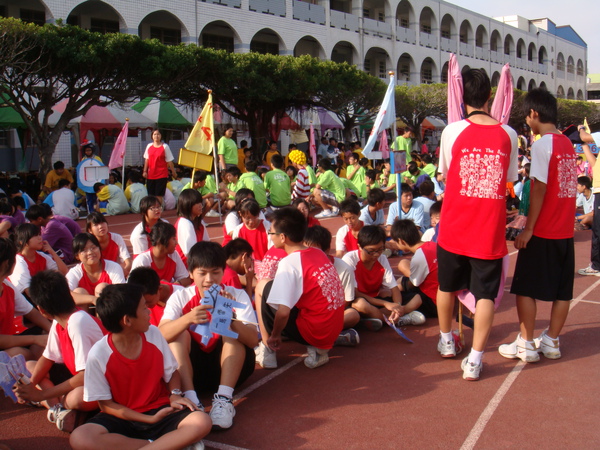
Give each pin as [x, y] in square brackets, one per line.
[466, 49]
[560, 74]
[406, 35]
[481, 53]
[531, 66]
[448, 45]
[344, 21]
[273, 7]
[231, 3]
[427, 40]
[543, 69]
[495, 57]
[376, 28]
[307, 12]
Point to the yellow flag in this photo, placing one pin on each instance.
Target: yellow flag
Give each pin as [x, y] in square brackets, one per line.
[585, 124]
[201, 138]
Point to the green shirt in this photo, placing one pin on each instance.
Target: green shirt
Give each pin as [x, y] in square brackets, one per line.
[358, 179]
[210, 187]
[277, 182]
[403, 144]
[330, 181]
[407, 174]
[253, 182]
[430, 170]
[228, 148]
[312, 178]
[234, 187]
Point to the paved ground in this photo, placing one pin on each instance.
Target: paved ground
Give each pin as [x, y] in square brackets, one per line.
[387, 393]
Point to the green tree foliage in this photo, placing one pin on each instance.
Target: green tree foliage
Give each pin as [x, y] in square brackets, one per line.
[415, 103]
[52, 64]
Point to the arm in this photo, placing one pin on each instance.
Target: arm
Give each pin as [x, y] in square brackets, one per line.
[281, 318]
[35, 317]
[122, 412]
[247, 333]
[145, 170]
[535, 206]
[171, 329]
[10, 341]
[30, 392]
[62, 267]
[589, 156]
[172, 167]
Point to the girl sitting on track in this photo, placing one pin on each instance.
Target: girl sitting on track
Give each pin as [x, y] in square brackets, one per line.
[112, 244]
[190, 226]
[151, 210]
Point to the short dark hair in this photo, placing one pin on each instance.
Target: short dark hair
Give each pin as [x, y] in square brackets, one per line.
[277, 161]
[81, 240]
[375, 196]
[135, 176]
[426, 188]
[146, 277]
[237, 247]
[297, 201]
[36, 212]
[205, 254]
[371, 173]
[117, 301]
[584, 181]
[324, 163]
[50, 291]
[8, 253]
[426, 158]
[249, 205]
[291, 222]
[250, 166]
[243, 143]
[319, 236]
[355, 156]
[98, 187]
[234, 170]
[405, 188]
[350, 206]
[476, 87]
[199, 176]
[94, 218]
[413, 168]
[371, 235]
[241, 195]
[542, 102]
[63, 182]
[162, 233]
[405, 230]
[23, 233]
[293, 169]
[436, 208]
[59, 165]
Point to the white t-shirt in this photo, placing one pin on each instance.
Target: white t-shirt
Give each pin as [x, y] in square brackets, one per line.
[365, 217]
[186, 234]
[139, 241]
[346, 274]
[170, 202]
[123, 252]
[21, 277]
[64, 203]
[168, 153]
[340, 239]
[426, 203]
[586, 203]
[114, 271]
[83, 332]
[352, 259]
[428, 235]
[145, 260]
[232, 220]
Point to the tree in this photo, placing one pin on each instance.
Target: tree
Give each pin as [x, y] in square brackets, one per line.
[54, 64]
[415, 103]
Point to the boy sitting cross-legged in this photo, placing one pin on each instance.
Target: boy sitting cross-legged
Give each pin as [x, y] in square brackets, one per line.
[224, 362]
[57, 377]
[133, 376]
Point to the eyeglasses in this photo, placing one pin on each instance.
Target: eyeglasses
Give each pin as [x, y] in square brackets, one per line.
[379, 251]
[156, 208]
[91, 249]
[271, 233]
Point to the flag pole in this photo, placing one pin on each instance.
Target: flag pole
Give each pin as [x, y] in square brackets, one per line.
[123, 169]
[215, 165]
[393, 157]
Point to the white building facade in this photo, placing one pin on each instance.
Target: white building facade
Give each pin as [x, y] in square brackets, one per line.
[413, 38]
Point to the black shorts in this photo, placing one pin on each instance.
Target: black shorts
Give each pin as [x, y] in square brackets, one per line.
[545, 269]
[428, 306]
[207, 366]
[268, 316]
[139, 430]
[480, 276]
[157, 187]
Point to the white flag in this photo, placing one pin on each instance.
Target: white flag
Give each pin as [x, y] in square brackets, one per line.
[386, 117]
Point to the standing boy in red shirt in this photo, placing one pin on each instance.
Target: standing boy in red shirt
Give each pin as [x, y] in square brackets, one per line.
[546, 261]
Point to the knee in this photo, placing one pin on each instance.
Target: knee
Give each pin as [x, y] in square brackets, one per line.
[99, 289]
[82, 439]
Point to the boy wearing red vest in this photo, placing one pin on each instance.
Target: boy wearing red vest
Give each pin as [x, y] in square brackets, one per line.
[346, 239]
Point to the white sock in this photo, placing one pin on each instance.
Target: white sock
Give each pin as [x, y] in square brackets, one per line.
[225, 391]
[475, 357]
[447, 337]
[191, 395]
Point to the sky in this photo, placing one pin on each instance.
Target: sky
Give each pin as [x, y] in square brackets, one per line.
[580, 14]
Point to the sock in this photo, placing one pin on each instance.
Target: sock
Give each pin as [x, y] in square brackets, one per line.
[475, 357]
[447, 337]
[225, 391]
[191, 395]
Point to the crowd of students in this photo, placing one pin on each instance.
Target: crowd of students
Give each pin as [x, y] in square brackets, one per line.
[103, 319]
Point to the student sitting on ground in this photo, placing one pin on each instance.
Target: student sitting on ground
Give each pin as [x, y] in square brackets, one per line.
[150, 210]
[57, 377]
[252, 181]
[377, 292]
[302, 185]
[13, 304]
[426, 199]
[205, 184]
[58, 235]
[302, 205]
[305, 301]
[435, 213]
[372, 214]
[156, 292]
[419, 283]
[135, 191]
[112, 244]
[63, 200]
[133, 376]
[189, 225]
[229, 187]
[233, 219]
[330, 191]
[346, 238]
[253, 229]
[162, 256]
[239, 265]
[31, 258]
[87, 279]
[355, 172]
[408, 209]
[111, 199]
[320, 237]
[224, 362]
[277, 182]
[585, 200]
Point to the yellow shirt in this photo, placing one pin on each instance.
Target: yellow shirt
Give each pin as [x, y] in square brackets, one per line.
[52, 179]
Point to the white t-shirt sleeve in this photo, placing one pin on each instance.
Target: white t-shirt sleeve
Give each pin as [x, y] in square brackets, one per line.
[392, 213]
[346, 274]
[177, 300]
[419, 269]
[74, 276]
[351, 258]
[139, 241]
[513, 167]
[205, 236]
[388, 276]
[186, 235]
[287, 285]
[231, 221]
[123, 252]
[236, 231]
[50, 263]
[115, 272]
[52, 350]
[84, 333]
[154, 337]
[339, 238]
[541, 151]
[142, 260]
[449, 135]
[180, 269]
[428, 235]
[168, 153]
[95, 384]
[20, 277]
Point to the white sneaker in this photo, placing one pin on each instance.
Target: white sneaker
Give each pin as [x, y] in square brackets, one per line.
[212, 213]
[548, 346]
[316, 357]
[197, 446]
[471, 371]
[265, 357]
[325, 214]
[412, 318]
[521, 349]
[446, 348]
[222, 412]
[335, 210]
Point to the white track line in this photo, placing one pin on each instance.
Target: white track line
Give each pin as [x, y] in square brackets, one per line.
[266, 379]
[487, 413]
[213, 444]
[590, 301]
